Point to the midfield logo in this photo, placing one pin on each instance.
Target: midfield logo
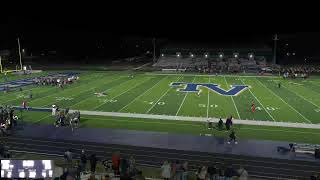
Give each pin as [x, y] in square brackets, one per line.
[194, 87]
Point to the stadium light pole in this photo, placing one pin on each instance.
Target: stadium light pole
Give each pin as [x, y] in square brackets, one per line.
[275, 39]
[154, 50]
[20, 54]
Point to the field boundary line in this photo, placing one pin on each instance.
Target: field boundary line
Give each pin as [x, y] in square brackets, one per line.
[284, 102]
[232, 99]
[185, 96]
[139, 83]
[302, 97]
[153, 105]
[142, 94]
[259, 101]
[208, 101]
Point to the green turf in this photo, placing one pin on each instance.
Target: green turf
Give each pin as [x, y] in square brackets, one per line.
[296, 101]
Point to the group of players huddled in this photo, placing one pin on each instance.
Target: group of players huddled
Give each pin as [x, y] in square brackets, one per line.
[59, 81]
[66, 118]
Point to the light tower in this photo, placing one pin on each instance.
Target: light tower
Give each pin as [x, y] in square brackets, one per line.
[154, 50]
[275, 39]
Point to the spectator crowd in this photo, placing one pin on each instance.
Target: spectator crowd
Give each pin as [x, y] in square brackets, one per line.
[8, 120]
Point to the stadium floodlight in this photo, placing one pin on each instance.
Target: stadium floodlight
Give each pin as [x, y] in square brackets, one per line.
[250, 55]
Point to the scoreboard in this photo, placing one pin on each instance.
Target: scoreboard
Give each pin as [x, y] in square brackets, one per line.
[26, 169]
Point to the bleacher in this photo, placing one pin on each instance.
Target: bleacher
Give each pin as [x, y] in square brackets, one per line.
[213, 64]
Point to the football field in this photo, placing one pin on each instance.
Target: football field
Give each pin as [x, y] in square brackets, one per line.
[183, 95]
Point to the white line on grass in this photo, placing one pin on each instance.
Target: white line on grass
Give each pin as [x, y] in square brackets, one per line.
[153, 105]
[142, 94]
[184, 98]
[45, 117]
[102, 91]
[232, 99]
[302, 97]
[67, 90]
[208, 100]
[284, 101]
[121, 93]
[259, 101]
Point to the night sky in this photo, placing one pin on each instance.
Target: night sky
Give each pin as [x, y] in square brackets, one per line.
[114, 33]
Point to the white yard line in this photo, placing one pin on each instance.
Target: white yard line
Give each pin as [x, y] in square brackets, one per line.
[141, 94]
[232, 99]
[86, 90]
[208, 101]
[259, 101]
[284, 102]
[184, 99]
[102, 91]
[153, 105]
[302, 97]
[66, 90]
[122, 93]
[43, 118]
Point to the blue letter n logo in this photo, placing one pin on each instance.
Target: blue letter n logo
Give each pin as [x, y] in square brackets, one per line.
[193, 87]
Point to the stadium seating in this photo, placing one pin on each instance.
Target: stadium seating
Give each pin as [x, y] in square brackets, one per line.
[213, 64]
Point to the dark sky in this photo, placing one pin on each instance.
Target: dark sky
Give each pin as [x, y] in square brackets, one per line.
[76, 29]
